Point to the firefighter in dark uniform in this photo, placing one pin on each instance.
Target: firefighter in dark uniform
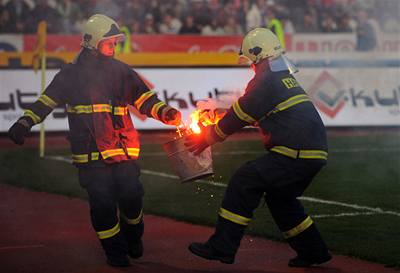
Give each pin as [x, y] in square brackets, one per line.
[97, 90]
[295, 137]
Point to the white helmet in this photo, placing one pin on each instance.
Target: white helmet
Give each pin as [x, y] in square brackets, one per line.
[97, 28]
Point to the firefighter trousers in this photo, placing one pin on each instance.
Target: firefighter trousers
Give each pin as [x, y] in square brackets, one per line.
[116, 200]
[280, 180]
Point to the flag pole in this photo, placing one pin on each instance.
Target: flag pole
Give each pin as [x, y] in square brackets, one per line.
[42, 48]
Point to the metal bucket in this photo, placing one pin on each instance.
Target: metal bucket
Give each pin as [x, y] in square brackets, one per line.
[186, 165]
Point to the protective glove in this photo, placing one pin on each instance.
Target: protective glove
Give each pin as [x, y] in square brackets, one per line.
[197, 143]
[19, 131]
[171, 116]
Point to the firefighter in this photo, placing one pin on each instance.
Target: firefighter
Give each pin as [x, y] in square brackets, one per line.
[295, 138]
[97, 90]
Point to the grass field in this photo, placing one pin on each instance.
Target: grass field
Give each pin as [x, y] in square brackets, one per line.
[355, 200]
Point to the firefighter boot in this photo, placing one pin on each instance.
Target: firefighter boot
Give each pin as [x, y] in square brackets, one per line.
[310, 247]
[133, 236]
[116, 251]
[206, 251]
[223, 244]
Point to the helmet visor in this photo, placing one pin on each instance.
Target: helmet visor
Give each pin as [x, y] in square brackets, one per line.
[282, 63]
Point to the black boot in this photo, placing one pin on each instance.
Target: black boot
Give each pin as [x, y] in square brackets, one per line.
[310, 247]
[135, 249]
[206, 251]
[116, 251]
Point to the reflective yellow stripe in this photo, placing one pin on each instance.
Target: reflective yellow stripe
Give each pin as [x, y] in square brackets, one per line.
[292, 101]
[298, 229]
[109, 232]
[241, 114]
[80, 158]
[97, 108]
[313, 154]
[133, 151]
[35, 118]
[155, 108]
[109, 153]
[306, 154]
[94, 156]
[133, 221]
[219, 132]
[47, 101]
[233, 217]
[120, 111]
[145, 96]
[101, 108]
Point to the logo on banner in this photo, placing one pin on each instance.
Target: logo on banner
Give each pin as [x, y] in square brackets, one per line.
[328, 95]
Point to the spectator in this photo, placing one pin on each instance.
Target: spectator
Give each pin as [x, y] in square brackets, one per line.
[170, 25]
[107, 7]
[201, 13]
[366, 36]
[18, 11]
[328, 24]
[149, 26]
[213, 29]
[134, 10]
[6, 25]
[253, 18]
[232, 27]
[43, 11]
[70, 13]
[188, 26]
[346, 24]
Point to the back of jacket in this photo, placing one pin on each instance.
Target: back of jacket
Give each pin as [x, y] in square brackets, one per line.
[276, 103]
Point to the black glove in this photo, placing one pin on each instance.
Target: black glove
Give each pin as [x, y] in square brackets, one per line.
[197, 143]
[18, 132]
[171, 116]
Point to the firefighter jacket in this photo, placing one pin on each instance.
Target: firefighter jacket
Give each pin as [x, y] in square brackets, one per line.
[288, 120]
[97, 91]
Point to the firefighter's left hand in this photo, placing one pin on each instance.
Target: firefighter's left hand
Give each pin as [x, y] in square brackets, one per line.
[197, 143]
[171, 116]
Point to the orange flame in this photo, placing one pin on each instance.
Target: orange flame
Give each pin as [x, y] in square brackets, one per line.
[204, 118]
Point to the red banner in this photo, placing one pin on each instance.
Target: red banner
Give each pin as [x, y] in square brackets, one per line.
[148, 43]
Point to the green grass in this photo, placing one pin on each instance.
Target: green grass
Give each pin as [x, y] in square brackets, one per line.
[362, 170]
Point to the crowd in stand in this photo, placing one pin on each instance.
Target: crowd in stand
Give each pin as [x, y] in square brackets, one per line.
[206, 17]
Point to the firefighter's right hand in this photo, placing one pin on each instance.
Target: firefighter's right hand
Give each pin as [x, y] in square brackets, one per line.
[18, 132]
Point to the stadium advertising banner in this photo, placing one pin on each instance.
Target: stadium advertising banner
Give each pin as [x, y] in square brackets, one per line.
[344, 97]
[340, 42]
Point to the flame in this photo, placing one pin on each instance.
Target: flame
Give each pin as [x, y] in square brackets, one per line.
[200, 118]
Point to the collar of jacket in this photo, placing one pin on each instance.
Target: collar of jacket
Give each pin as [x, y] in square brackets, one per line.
[92, 58]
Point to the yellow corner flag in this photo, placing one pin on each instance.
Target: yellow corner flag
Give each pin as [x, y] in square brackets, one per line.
[40, 48]
[39, 58]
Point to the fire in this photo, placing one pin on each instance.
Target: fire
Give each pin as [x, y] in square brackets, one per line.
[203, 118]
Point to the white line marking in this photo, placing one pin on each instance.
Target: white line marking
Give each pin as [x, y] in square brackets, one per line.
[20, 247]
[344, 214]
[222, 185]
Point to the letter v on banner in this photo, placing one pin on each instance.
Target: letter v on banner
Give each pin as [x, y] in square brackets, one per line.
[39, 57]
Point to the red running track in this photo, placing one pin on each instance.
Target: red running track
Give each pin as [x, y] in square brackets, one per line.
[48, 233]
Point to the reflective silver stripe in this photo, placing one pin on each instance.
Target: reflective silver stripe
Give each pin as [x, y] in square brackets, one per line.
[109, 232]
[299, 228]
[133, 221]
[241, 114]
[292, 101]
[313, 154]
[80, 158]
[110, 153]
[233, 217]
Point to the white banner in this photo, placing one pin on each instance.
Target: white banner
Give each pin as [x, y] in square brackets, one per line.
[11, 42]
[344, 97]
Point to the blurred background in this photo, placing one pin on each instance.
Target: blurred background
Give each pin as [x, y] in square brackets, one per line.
[348, 55]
